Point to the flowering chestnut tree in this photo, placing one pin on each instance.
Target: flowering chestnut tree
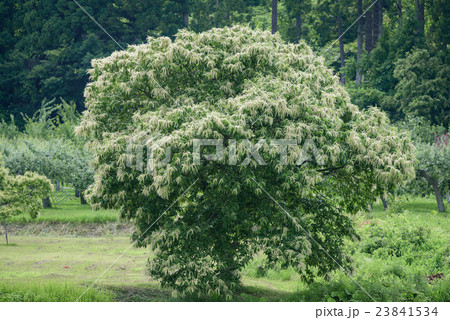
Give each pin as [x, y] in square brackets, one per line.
[206, 216]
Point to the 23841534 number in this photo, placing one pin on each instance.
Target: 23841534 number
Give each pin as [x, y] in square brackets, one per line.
[406, 311]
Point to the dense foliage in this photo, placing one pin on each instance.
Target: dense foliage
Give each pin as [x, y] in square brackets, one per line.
[48, 146]
[54, 158]
[237, 84]
[46, 46]
[423, 87]
[397, 255]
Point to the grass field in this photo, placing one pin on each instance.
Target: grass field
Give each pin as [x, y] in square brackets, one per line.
[71, 211]
[397, 250]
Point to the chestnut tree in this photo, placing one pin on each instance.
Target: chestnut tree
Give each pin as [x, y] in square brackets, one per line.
[204, 219]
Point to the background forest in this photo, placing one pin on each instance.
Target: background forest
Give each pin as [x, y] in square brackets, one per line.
[46, 46]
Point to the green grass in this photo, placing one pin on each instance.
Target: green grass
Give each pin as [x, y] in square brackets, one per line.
[71, 260]
[70, 211]
[397, 250]
[52, 292]
[63, 267]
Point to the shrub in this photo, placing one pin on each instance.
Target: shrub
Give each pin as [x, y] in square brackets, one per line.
[20, 194]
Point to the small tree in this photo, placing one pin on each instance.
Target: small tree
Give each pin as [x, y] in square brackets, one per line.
[434, 166]
[433, 155]
[19, 194]
[205, 220]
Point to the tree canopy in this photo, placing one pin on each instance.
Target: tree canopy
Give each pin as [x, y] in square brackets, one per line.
[423, 87]
[204, 221]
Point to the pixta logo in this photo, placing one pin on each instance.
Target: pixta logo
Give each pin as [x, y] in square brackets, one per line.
[141, 152]
[142, 148]
[308, 151]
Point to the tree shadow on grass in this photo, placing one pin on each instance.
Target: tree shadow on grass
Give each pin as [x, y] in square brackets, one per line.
[151, 293]
[139, 293]
[257, 294]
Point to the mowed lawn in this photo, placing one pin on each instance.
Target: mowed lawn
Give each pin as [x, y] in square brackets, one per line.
[61, 268]
[45, 261]
[41, 262]
[70, 211]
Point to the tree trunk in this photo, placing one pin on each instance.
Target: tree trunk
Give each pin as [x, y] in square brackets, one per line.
[274, 16]
[216, 14]
[186, 19]
[186, 13]
[46, 203]
[420, 16]
[371, 207]
[77, 193]
[448, 198]
[435, 185]
[380, 19]
[400, 11]
[360, 43]
[385, 203]
[377, 22]
[82, 199]
[298, 25]
[58, 186]
[439, 200]
[341, 48]
[368, 30]
[6, 232]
